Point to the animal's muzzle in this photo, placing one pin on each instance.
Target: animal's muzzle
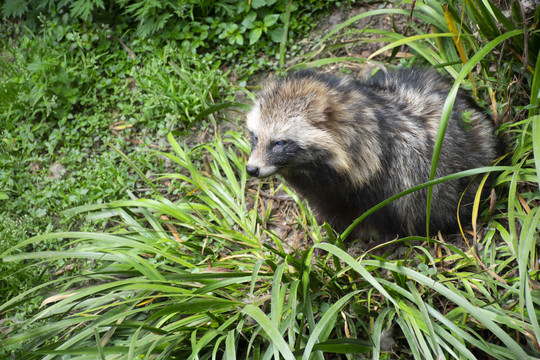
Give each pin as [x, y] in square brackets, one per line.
[253, 170]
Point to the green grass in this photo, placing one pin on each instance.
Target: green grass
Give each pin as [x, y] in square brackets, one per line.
[70, 96]
[189, 269]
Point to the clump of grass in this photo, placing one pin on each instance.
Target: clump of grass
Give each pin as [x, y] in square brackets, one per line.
[167, 268]
[194, 279]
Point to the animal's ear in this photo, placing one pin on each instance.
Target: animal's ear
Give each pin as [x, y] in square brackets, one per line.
[325, 108]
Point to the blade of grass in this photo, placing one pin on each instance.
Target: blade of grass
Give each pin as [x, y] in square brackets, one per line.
[527, 245]
[419, 338]
[284, 36]
[271, 330]
[536, 144]
[459, 44]
[411, 339]
[378, 331]
[535, 118]
[454, 176]
[276, 305]
[327, 318]
[449, 104]
[433, 339]
[230, 347]
[293, 296]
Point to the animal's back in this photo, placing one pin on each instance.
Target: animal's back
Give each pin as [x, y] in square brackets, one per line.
[419, 96]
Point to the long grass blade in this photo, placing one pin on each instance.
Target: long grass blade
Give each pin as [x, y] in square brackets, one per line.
[328, 317]
[449, 104]
[271, 330]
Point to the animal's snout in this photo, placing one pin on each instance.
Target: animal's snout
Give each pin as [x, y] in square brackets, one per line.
[252, 170]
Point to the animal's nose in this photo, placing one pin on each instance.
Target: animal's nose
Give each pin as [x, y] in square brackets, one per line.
[252, 170]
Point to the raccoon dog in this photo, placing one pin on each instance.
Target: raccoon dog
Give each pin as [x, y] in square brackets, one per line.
[346, 145]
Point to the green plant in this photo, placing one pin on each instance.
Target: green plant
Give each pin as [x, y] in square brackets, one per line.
[174, 250]
[258, 27]
[65, 95]
[167, 85]
[182, 279]
[225, 29]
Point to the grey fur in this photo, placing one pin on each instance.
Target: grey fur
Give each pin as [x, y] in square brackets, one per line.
[346, 145]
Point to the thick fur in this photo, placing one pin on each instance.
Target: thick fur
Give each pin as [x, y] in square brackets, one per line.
[346, 146]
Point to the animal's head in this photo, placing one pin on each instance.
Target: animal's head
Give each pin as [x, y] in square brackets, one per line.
[291, 125]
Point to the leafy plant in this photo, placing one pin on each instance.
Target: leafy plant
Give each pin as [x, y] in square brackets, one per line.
[67, 94]
[217, 214]
[258, 27]
[225, 29]
[167, 82]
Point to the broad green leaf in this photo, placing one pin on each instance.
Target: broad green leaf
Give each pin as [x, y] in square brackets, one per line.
[255, 35]
[270, 19]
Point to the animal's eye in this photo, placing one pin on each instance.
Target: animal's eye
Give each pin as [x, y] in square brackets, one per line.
[280, 143]
[253, 138]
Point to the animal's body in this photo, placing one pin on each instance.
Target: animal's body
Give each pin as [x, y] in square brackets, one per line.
[346, 145]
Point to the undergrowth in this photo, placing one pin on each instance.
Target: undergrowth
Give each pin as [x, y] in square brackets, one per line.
[202, 274]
